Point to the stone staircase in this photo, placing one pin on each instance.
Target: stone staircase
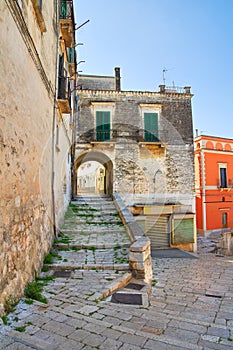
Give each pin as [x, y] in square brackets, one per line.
[92, 236]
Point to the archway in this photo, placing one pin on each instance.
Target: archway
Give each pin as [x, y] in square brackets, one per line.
[94, 173]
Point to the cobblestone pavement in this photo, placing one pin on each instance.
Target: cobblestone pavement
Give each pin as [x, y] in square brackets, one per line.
[191, 307]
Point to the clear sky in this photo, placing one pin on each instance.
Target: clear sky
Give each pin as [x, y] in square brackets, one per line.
[191, 39]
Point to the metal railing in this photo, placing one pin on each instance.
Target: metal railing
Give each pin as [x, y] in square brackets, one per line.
[227, 184]
[174, 89]
[66, 9]
[117, 135]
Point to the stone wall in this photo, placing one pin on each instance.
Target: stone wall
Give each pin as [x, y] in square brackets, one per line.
[26, 113]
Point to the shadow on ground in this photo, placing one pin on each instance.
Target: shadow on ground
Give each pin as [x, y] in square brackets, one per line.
[172, 253]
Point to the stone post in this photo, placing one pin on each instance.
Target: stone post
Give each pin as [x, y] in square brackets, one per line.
[140, 259]
[161, 88]
[187, 89]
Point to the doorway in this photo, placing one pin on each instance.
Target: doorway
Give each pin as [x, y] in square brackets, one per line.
[94, 173]
[91, 178]
[224, 220]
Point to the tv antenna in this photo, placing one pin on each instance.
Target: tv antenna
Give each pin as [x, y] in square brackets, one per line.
[164, 75]
[165, 70]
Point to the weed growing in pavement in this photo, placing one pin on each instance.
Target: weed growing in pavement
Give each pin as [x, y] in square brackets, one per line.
[33, 290]
[28, 301]
[75, 249]
[65, 249]
[45, 269]
[49, 258]
[10, 304]
[4, 319]
[45, 279]
[20, 329]
[154, 282]
[92, 248]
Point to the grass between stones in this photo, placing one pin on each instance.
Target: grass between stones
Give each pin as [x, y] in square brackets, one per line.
[33, 290]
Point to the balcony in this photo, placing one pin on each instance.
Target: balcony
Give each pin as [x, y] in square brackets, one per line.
[64, 96]
[225, 185]
[116, 135]
[66, 16]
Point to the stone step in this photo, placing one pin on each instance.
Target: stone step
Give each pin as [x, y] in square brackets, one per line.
[89, 245]
[94, 205]
[96, 220]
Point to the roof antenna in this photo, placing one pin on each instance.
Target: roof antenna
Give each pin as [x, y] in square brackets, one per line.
[164, 78]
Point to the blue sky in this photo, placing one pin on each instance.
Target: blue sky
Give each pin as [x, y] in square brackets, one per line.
[192, 39]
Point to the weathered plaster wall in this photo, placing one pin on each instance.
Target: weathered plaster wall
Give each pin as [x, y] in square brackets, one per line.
[26, 110]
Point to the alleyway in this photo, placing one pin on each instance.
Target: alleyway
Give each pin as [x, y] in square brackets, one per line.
[191, 305]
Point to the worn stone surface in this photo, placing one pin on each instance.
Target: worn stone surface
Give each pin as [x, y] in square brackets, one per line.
[180, 315]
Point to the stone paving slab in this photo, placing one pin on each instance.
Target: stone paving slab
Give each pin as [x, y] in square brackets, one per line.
[190, 308]
[162, 325]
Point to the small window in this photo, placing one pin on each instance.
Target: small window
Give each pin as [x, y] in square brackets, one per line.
[223, 177]
[151, 127]
[102, 126]
[224, 220]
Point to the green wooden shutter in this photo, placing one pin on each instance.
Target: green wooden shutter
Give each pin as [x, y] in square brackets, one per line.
[183, 231]
[70, 54]
[151, 127]
[63, 9]
[102, 126]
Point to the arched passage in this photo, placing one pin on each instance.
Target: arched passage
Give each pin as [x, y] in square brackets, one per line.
[105, 161]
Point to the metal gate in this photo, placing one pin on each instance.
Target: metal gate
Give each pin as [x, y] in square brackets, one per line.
[157, 229]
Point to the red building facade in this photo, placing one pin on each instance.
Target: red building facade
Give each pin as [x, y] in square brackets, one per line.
[213, 183]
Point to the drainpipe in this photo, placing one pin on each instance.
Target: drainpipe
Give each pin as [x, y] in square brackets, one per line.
[203, 191]
[54, 122]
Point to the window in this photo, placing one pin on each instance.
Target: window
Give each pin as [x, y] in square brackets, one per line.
[224, 220]
[151, 127]
[103, 117]
[150, 119]
[223, 176]
[102, 125]
[40, 3]
[63, 9]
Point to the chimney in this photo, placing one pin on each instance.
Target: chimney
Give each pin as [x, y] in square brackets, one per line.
[117, 79]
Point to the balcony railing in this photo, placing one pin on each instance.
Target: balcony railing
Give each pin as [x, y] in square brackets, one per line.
[174, 89]
[228, 184]
[66, 9]
[117, 135]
